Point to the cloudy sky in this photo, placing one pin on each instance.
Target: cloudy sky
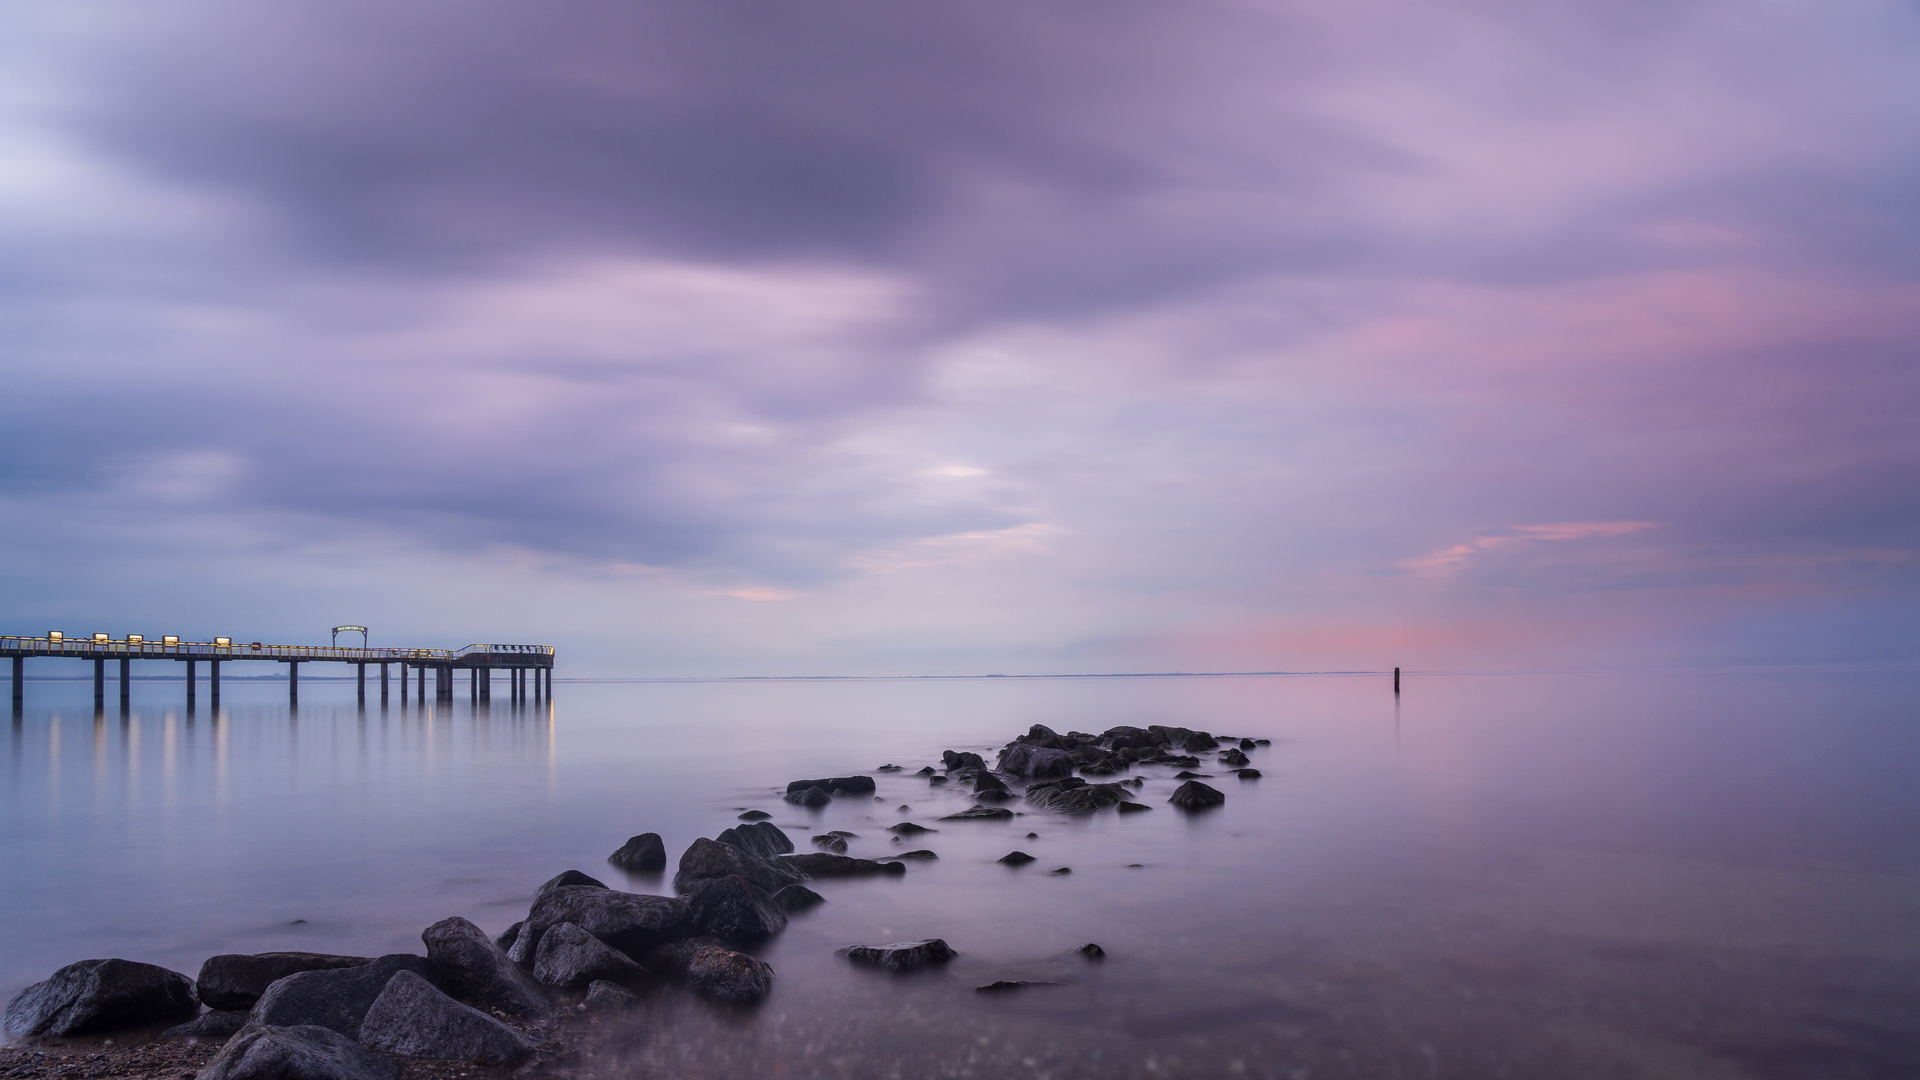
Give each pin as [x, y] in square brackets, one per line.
[859, 336]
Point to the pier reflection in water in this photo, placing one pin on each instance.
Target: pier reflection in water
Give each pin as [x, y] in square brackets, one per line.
[1677, 875]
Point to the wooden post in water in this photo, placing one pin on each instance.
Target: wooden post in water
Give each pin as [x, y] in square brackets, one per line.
[19, 683]
[361, 674]
[383, 684]
[190, 681]
[293, 682]
[126, 667]
[213, 687]
[99, 683]
[1396, 682]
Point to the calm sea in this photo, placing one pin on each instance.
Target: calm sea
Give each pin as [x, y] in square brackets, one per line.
[1691, 875]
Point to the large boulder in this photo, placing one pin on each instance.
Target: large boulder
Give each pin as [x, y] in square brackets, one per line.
[413, 1018]
[900, 955]
[218, 1024]
[813, 796]
[955, 760]
[337, 998]
[603, 996]
[827, 864]
[568, 877]
[714, 970]
[479, 972]
[852, 785]
[300, 1052]
[236, 980]
[634, 923]
[706, 859]
[1234, 758]
[1035, 762]
[986, 781]
[101, 995]
[762, 838]
[797, 898]
[731, 909]
[1075, 796]
[643, 854]
[570, 958]
[1194, 795]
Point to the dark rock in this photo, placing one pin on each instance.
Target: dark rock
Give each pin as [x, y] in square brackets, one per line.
[603, 996]
[999, 796]
[569, 958]
[852, 785]
[298, 1052]
[101, 995]
[843, 833]
[218, 1024]
[1033, 836]
[643, 854]
[831, 843]
[413, 1018]
[900, 955]
[903, 808]
[1247, 774]
[630, 922]
[1075, 796]
[1132, 807]
[1263, 742]
[568, 877]
[236, 980]
[936, 779]
[986, 781]
[755, 815]
[338, 998]
[706, 859]
[813, 796]
[1035, 762]
[479, 972]
[923, 853]
[962, 759]
[1016, 858]
[1184, 774]
[924, 770]
[1061, 870]
[1194, 795]
[796, 898]
[762, 838]
[1247, 744]
[980, 813]
[823, 864]
[1127, 738]
[1199, 741]
[507, 936]
[1233, 757]
[1003, 985]
[714, 970]
[1092, 951]
[731, 909]
[888, 768]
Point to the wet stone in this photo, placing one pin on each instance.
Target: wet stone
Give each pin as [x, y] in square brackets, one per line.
[101, 995]
[1015, 858]
[923, 853]
[981, 813]
[755, 815]
[568, 877]
[236, 980]
[1194, 795]
[643, 854]
[796, 898]
[900, 955]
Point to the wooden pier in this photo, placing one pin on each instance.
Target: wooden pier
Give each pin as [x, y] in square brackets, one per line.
[528, 668]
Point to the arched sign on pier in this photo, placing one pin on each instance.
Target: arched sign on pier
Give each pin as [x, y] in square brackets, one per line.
[361, 630]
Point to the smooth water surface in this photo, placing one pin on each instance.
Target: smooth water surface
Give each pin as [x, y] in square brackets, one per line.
[1675, 875]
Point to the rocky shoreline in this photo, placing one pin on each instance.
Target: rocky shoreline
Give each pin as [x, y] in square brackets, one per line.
[520, 1003]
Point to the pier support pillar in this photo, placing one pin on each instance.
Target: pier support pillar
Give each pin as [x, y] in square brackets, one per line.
[99, 684]
[126, 668]
[486, 684]
[190, 687]
[19, 682]
[420, 683]
[213, 686]
[293, 682]
[383, 684]
[473, 685]
[361, 672]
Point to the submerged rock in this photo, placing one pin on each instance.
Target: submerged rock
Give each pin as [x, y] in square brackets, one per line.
[813, 796]
[1185, 774]
[924, 770]
[297, 1052]
[413, 1018]
[762, 838]
[706, 859]
[1061, 870]
[1073, 795]
[996, 796]
[1233, 757]
[1001, 986]
[908, 828]
[1199, 741]
[923, 853]
[633, 923]
[796, 898]
[1132, 807]
[479, 972]
[336, 999]
[962, 759]
[981, 813]
[986, 781]
[603, 996]
[1092, 951]
[1015, 858]
[218, 1024]
[755, 815]
[236, 980]
[568, 877]
[936, 780]
[715, 970]
[900, 955]
[1247, 744]
[888, 768]
[101, 995]
[823, 864]
[1247, 774]
[831, 843]
[852, 785]
[1036, 762]
[569, 958]
[643, 854]
[1194, 795]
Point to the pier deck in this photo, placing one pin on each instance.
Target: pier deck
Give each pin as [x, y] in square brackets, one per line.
[528, 667]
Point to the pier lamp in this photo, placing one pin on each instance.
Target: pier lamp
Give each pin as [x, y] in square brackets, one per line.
[223, 641]
[53, 635]
[170, 639]
[134, 639]
[102, 637]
